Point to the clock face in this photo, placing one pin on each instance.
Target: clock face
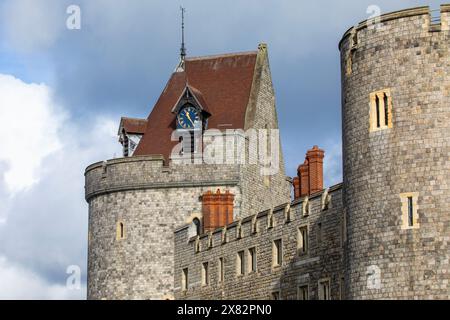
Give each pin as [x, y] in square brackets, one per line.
[188, 118]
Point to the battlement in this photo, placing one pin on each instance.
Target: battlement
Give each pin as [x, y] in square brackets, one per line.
[276, 251]
[150, 172]
[431, 22]
[267, 219]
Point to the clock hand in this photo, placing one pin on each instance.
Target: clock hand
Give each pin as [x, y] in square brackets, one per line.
[189, 117]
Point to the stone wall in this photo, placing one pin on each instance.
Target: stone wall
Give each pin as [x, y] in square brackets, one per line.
[150, 200]
[323, 259]
[259, 191]
[409, 56]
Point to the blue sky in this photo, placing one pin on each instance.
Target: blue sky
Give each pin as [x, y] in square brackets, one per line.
[65, 90]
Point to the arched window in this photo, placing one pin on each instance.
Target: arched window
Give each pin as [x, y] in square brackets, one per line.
[380, 110]
[120, 230]
[196, 223]
[386, 109]
[377, 105]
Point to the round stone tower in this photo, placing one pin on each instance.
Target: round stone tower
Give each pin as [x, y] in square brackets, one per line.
[396, 154]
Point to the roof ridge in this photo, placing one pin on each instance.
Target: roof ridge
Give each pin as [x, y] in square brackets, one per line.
[130, 118]
[224, 55]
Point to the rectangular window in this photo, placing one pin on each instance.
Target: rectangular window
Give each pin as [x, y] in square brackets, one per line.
[324, 289]
[252, 260]
[303, 240]
[185, 279]
[409, 207]
[377, 106]
[205, 273]
[240, 266]
[303, 292]
[221, 270]
[410, 212]
[386, 109]
[277, 255]
[276, 295]
[380, 110]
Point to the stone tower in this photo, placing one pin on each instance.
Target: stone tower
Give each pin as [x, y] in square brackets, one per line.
[396, 147]
[136, 202]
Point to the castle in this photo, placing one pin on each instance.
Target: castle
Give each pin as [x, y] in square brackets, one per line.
[200, 207]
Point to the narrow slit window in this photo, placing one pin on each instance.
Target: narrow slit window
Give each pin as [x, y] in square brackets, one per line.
[410, 212]
[377, 106]
[240, 263]
[252, 259]
[221, 270]
[380, 110]
[185, 279]
[386, 109]
[277, 253]
[205, 273]
[120, 230]
[303, 240]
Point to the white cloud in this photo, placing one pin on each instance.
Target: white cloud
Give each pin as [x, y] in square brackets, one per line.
[29, 131]
[43, 216]
[21, 283]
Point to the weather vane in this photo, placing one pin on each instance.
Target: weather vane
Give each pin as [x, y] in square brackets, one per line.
[183, 49]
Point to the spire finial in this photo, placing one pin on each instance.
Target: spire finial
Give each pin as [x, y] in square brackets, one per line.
[183, 49]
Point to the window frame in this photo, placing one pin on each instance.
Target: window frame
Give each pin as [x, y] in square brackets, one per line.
[380, 115]
[300, 290]
[320, 289]
[221, 270]
[205, 274]
[252, 260]
[303, 250]
[277, 253]
[407, 199]
[184, 279]
[240, 263]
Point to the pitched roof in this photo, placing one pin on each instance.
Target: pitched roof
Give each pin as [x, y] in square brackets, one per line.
[133, 125]
[222, 82]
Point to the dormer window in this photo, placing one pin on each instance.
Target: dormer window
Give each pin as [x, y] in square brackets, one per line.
[190, 110]
[130, 134]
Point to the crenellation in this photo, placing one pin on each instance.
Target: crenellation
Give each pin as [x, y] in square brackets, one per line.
[267, 279]
[380, 234]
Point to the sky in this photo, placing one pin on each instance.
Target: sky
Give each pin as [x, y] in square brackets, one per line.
[63, 91]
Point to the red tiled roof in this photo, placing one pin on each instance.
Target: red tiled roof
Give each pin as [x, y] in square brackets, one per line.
[199, 96]
[223, 83]
[132, 125]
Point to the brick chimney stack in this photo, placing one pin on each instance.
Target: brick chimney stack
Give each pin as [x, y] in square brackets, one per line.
[217, 210]
[315, 160]
[310, 174]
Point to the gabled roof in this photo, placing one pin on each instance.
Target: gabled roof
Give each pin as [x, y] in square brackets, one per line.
[133, 125]
[223, 83]
[197, 97]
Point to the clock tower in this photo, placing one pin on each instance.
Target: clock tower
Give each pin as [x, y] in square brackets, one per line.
[138, 201]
